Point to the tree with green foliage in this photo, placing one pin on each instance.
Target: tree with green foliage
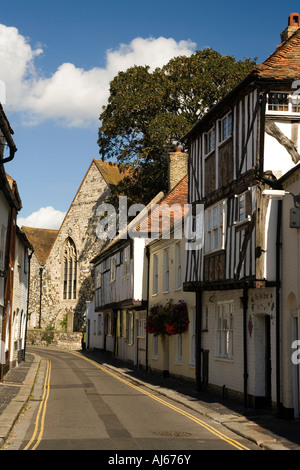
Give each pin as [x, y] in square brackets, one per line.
[149, 112]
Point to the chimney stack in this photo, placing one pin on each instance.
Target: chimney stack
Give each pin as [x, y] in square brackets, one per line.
[178, 167]
[293, 25]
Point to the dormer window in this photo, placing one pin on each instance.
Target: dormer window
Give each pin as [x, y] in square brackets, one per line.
[283, 103]
[278, 102]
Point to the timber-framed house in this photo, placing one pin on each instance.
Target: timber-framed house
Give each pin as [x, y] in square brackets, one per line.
[238, 152]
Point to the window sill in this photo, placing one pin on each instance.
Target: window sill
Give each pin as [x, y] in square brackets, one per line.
[221, 143]
[240, 223]
[224, 359]
[217, 251]
[282, 113]
[209, 154]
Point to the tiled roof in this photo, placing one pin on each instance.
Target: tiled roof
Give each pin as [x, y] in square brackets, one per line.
[41, 240]
[177, 196]
[142, 223]
[284, 63]
[110, 171]
[10, 188]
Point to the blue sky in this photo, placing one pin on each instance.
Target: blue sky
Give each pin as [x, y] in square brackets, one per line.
[58, 57]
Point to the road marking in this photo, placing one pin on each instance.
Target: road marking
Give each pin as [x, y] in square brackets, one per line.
[39, 426]
[209, 428]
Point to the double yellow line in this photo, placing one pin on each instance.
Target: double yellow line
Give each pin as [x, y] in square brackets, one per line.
[209, 428]
[40, 419]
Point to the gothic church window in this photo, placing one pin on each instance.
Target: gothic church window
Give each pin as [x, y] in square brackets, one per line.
[69, 270]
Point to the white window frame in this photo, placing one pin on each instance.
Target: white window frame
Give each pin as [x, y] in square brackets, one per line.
[224, 330]
[155, 274]
[166, 270]
[179, 349]
[210, 141]
[129, 327]
[241, 215]
[141, 325]
[113, 265]
[178, 267]
[225, 127]
[293, 100]
[126, 260]
[98, 276]
[215, 217]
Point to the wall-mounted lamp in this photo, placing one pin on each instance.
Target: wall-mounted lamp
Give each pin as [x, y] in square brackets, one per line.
[278, 194]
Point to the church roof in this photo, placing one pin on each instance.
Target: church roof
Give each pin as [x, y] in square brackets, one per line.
[41, 240]
[110, 171]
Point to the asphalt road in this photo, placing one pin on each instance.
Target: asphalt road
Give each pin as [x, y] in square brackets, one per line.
[78, 404]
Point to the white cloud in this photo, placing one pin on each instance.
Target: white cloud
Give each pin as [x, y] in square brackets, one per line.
[46, 217]
[72, 95]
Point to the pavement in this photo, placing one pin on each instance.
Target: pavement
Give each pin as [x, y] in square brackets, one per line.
[265, 429]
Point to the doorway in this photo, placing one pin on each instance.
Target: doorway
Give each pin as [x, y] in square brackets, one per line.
[263, 361]
[268, 363]
[295, 372]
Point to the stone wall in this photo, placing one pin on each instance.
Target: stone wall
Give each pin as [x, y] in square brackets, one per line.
[58, 339]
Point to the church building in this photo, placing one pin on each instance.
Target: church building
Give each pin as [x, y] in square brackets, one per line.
[60, 272]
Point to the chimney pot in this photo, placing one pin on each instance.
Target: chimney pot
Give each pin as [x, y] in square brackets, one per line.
[293, 25]
[294, 19]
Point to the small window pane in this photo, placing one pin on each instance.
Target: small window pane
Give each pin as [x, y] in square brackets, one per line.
[278, 102]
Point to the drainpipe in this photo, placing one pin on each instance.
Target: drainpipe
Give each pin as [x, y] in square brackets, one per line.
[148, 296]
[245, 309]
[28, 274]
[198, 338]
[7, 135]
[278, 372]
[11, 156]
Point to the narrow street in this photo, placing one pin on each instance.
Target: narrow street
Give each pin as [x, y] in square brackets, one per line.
[78, 404]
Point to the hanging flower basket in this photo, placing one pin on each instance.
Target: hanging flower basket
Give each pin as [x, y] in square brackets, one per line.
[156, 321]
[178, 320]
[171, 319]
